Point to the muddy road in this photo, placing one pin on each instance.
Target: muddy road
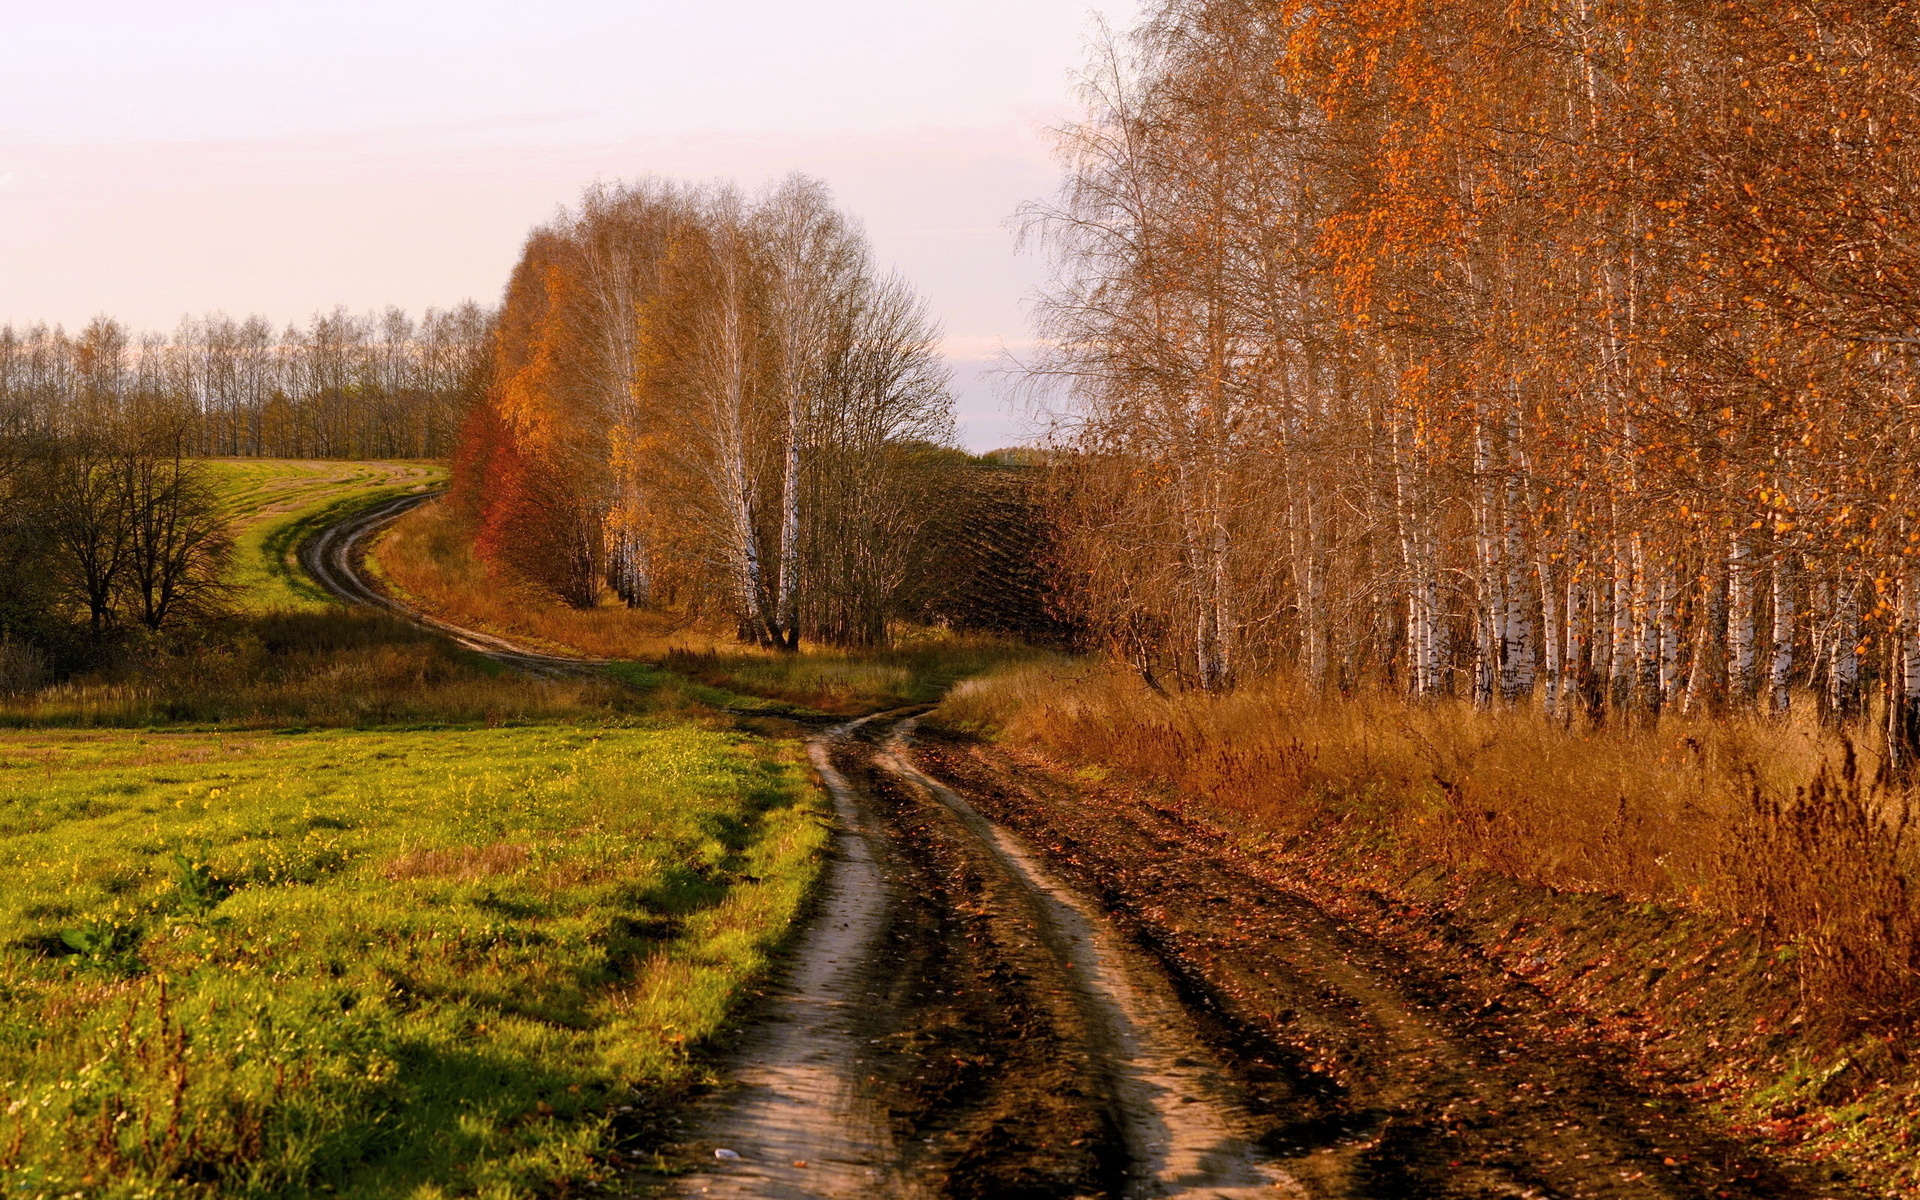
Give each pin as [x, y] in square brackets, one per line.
[1015, 985]
[1069, 991]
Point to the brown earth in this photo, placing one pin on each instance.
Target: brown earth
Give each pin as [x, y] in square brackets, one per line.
[1376, 1068]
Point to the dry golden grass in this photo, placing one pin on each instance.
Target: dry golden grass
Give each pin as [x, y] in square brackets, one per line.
[1779, 822]
[427, 557]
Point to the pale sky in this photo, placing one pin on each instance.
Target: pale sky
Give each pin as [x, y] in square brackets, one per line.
[164, 159]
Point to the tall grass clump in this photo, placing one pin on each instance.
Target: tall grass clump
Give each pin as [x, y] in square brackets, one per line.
[1782, 823]
[372, 964]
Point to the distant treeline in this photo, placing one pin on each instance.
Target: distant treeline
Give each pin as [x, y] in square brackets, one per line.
[346, 385]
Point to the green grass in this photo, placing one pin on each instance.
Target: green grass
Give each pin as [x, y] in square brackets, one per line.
[918, 670]
[371, 964]
[430, 950]
[277, 502]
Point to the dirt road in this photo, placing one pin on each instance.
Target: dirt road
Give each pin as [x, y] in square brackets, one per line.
[334, 557]
[1018, 986]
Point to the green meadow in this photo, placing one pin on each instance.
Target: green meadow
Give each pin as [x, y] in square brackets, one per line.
[327, 907]
[369, 963]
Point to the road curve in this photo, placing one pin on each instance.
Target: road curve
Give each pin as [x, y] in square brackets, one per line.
[335, 556]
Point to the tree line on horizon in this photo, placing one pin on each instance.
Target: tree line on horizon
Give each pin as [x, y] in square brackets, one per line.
[1554, 352]
[346, 385]
[112, 528]
[714, 401]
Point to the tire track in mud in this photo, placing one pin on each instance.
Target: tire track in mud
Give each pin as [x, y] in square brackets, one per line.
[798, 1117]
[1185, 1132]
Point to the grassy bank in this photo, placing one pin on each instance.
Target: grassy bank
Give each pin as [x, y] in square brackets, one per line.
[427, 558]
[276, 502]
[371, 963]
[1738, 898]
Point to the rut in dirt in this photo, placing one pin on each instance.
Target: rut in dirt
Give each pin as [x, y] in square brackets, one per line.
[998, 1035]
[1184, 1129]
[1374, 1070]
[799, 1120]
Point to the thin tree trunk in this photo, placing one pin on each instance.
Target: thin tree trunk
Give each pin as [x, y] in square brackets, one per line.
[1740, 632]
[1780, 672]
[1843, 676]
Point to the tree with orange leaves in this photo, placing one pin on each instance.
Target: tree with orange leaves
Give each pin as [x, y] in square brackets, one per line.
[1546, 353]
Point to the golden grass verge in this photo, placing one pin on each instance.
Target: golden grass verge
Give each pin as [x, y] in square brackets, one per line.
[1780, 823]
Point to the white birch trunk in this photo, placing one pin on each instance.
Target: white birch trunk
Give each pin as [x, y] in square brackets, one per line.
[1780, 669]
[1622, 644]
[1843, 675]
[1517, 624]
[1491, 609]
[1740, 632]
[728, 423]
[1516, 645]
[1646, 633]
[1666, 620]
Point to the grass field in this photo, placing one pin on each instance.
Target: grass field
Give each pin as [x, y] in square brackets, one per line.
[374, 964]
[276, 502]
[311, 902]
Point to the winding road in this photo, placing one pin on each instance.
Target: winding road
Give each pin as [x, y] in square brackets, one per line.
[1012, 987]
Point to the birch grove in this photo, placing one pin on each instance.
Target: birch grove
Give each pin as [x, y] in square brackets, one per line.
[1556, 353]
[709, 401]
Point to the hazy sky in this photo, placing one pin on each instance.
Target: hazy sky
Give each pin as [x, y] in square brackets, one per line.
[164, 159]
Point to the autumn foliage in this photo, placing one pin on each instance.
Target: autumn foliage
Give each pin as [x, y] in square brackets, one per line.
[1535, 352]
[709, 403]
